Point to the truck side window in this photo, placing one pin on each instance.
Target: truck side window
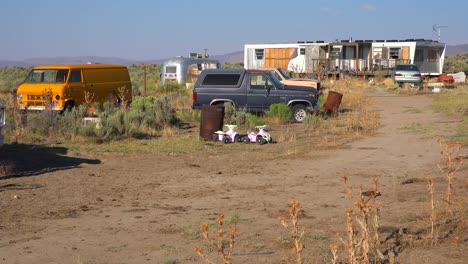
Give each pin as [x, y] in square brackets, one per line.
[75, 76]
[259, 82]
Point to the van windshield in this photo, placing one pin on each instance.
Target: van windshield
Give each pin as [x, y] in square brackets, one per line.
[47, 76]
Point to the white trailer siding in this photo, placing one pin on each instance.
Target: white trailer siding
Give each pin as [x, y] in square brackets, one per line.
[358, 56]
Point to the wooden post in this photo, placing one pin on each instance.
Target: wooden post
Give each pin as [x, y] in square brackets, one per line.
[144, 78]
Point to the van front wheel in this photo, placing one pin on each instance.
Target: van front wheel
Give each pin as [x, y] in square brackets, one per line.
[68, 106]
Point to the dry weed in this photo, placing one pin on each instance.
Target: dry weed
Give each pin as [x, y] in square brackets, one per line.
[450, 164]
[224, 249]
[362, 240]
[432, 217]
[292, 216]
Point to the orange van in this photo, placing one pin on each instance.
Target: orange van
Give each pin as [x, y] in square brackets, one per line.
[61, 87]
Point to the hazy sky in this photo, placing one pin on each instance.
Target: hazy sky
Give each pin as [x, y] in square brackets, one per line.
[145, 29]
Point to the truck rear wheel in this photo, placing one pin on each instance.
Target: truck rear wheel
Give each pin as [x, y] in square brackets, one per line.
[299, 112]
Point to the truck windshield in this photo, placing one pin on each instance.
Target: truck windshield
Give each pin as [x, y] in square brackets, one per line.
[285, 75]
[47, 76]
[276, 82]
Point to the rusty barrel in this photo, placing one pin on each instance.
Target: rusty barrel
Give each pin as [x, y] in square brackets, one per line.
[211, 121]
[333, 101]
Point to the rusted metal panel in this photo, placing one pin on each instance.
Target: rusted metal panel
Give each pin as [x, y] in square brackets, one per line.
[278, 57]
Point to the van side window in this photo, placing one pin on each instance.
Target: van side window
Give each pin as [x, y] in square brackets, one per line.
[75, 76]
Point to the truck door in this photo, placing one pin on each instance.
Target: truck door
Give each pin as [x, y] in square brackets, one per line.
[261, 93]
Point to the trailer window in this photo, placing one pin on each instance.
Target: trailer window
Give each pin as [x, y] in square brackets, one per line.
[395, 53]
[302, 51]
[171, 69]
[259, 54]
[221, 79]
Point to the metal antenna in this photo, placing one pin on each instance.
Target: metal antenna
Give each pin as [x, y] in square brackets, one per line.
[436, 28]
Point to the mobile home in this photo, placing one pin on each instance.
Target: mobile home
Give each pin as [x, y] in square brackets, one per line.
[357, 57]
[186, 70]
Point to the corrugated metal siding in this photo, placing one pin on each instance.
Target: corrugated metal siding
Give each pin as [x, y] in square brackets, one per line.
[278, 57]
[312, 56]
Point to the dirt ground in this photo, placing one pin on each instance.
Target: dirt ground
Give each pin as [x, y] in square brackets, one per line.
[147, 208]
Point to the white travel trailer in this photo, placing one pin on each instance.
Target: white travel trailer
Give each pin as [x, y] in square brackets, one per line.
[358, 57]
[186, 70]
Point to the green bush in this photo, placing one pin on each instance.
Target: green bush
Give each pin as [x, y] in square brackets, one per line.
[280, 111]
[141, 103]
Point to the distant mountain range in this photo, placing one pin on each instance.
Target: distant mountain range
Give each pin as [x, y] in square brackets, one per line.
[456, 49]
[233, 57]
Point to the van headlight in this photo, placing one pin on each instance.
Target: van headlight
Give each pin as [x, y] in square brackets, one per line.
[19, 97]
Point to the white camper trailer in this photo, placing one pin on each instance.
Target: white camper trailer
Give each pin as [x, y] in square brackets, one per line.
[186, 70]
[357, 57]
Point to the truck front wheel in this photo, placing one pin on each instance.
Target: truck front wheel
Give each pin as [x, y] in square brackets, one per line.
[299, 112]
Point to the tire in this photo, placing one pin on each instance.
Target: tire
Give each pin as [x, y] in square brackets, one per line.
[215, 137]
[260, 140]
[237, 139]
[246, 139]
[68, 106]
[299, 112]
[226, 140]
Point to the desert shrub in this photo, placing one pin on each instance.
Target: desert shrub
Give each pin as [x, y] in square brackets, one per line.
[313, 120]
[255, 120]
[42, 124]
[170, 87]
[239, 118]
[229, 113]
[164, 113]
[141, 103]
[280, 111]
[11, 77]
[71, 121]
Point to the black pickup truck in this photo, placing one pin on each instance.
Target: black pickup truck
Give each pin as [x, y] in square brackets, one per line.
[252, 91]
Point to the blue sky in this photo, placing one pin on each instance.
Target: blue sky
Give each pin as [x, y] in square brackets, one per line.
[145, 29]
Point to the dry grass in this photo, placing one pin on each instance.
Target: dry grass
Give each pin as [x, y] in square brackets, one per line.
[388, 83]
[169, 132]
